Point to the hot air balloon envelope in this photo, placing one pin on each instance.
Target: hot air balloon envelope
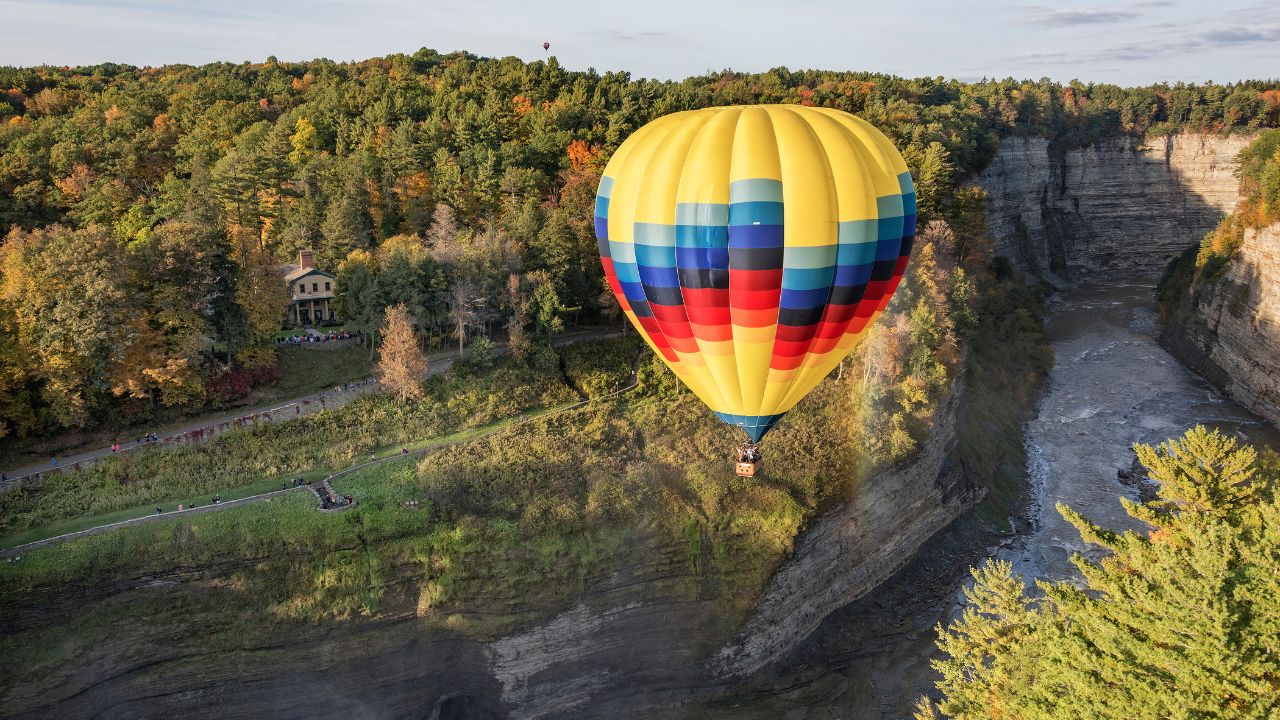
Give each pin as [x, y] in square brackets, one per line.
[752, 246]
[546, 46]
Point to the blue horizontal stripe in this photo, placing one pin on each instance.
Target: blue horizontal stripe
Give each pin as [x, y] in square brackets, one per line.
[633, 291]
[702, 236]
[890, 229]
[888, 249]
[655, 255]
[602, 228]
[801, 299]
[857, 253]
[806, 278]
[702, 258]
[909, 225]
[626, 271]
[755, 213]
[909, 203]
[602, 206]
[754, 425]
[755, 236]
[852, 274]
[659, 276]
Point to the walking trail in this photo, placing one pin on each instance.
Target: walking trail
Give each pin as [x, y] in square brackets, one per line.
[204, 428]
[391, 455]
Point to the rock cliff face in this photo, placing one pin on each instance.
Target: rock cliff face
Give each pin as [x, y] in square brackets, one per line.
[1121, 208]
[626, 649]
[1228, 329]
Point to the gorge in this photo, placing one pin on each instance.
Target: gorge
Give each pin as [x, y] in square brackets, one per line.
[651, 637]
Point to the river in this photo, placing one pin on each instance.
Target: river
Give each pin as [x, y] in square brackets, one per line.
[1112, 385]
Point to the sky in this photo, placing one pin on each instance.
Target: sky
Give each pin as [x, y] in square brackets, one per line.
[1129, 43]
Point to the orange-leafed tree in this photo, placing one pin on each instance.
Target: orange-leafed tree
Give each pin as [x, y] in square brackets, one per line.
[402, 364]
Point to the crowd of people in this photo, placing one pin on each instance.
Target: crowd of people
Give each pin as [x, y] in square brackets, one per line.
[302, 338]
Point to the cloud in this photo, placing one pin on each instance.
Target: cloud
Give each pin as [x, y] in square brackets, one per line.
[1069, 18]
[1162, 45]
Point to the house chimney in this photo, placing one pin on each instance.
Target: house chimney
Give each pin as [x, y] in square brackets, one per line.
[306, 259]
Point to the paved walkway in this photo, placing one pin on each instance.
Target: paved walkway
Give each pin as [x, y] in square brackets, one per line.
[58, 539]
[201, 429]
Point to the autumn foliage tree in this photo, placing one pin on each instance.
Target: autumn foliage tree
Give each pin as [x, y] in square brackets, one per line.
[402, 365]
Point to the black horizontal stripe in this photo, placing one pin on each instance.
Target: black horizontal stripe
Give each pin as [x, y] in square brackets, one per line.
[663, 295]
[883, 269]
[799, 317]
[846, 294]
[703, 279]
[755, 258]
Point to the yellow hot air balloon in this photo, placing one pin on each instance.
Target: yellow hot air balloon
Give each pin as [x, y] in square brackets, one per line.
[752, 246]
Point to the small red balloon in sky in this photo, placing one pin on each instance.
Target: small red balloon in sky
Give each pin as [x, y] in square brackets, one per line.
[546, 46]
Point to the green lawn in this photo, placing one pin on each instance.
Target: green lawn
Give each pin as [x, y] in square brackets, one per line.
[304, 370]
[62, 527]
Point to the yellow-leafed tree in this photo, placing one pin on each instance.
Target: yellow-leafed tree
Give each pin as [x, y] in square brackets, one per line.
[402, 364]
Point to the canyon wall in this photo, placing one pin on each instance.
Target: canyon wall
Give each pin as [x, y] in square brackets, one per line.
[1228, 328]
[627, 648]
[1118, 209]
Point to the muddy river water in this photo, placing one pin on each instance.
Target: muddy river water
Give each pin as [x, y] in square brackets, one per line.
[1112, 385]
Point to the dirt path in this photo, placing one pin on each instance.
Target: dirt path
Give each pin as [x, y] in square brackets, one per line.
[204, 428]
[267, 496]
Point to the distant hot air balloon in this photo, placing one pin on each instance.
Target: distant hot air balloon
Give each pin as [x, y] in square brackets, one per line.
[752, 246]
[546, 46]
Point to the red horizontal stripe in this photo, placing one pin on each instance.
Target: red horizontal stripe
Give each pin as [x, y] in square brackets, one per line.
[755, 300]
[785, 362]
[705, 297]
[708, 315]
[754, 280]
[796, 333]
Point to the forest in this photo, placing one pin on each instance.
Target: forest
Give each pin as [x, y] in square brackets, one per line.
[145, 211]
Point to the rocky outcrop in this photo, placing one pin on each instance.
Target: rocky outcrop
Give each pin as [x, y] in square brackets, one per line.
[627, 648]
[1120, 208]
[1228, 328]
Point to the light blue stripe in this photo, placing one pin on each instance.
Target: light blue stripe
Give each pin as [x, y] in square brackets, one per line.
[622, 252]
[889, 206]
[904, 182]
[818, 256]
[606, 186]
[857, 231]
[654, 234]
[602, 206]
[755, 190]
[702, 214]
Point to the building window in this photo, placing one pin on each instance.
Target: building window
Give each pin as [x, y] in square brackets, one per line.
[315, 287]
[326, 286]
[302, 288]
